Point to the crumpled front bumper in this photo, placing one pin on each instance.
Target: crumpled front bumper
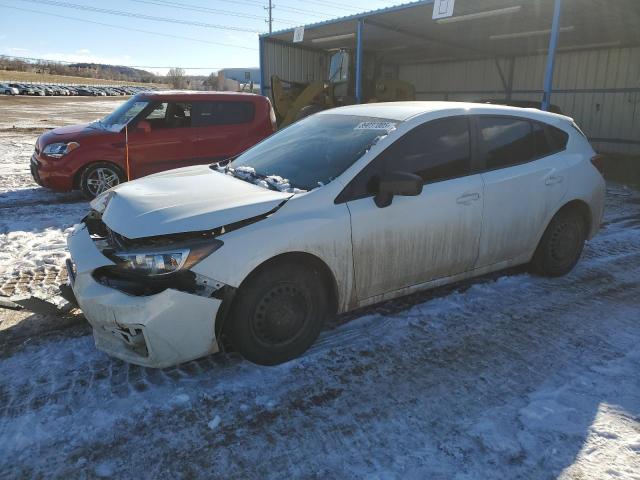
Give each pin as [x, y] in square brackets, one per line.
[156, 331]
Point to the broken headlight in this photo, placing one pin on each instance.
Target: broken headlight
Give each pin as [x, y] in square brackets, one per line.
[99, 204]
[164, 260]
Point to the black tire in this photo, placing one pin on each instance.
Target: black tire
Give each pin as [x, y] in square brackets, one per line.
[99, 177]
[561, 245]
[278, 313]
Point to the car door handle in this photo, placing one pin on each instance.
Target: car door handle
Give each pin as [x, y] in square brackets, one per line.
[553, 179]
[467, 198]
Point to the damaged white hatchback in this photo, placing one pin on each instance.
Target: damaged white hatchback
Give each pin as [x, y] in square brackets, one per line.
[343, 209]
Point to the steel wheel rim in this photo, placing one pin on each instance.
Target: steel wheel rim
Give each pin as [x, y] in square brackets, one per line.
[565, 243]
[281, 315]
[101, 180]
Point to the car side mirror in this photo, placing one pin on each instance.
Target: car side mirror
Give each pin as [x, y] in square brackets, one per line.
[404, 184]
[143, 126]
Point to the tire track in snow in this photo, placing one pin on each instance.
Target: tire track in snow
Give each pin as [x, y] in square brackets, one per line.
[75, 403]
[591, 281]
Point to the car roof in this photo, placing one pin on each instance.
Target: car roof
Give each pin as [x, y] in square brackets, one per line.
[203, 95]
[402, 111]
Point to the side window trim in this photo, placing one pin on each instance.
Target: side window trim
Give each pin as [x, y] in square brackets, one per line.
[347, 196]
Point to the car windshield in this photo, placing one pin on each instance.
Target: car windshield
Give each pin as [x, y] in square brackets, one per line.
[310, 153]
[123, 114]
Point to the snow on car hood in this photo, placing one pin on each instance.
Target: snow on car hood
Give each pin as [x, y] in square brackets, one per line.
[185, 200]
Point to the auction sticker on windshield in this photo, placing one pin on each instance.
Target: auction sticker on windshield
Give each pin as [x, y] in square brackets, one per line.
[386, 126]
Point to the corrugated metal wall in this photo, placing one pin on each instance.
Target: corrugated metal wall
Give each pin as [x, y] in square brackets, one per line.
[292, 63]
[600, 89]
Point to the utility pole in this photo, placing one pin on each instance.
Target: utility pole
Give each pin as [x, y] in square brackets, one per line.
[270, 21]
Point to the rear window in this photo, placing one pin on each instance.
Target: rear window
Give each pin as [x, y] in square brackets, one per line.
[221, 113]
[506, 141]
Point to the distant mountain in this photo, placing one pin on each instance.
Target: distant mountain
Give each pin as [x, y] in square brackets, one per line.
[116, 72]
[86, 70]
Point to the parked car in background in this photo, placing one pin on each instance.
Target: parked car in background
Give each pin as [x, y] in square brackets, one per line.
[7, 89]
[340, 210]
[165, 130]
[23, 89]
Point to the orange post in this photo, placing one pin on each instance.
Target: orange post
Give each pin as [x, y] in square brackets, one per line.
[126, 151]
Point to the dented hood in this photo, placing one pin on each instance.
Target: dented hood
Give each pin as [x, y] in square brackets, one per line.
[185, 200]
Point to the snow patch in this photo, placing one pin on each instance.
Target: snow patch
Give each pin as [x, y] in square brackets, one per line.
[213, 424]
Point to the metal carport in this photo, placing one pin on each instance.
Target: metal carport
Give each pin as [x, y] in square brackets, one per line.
[491, 49]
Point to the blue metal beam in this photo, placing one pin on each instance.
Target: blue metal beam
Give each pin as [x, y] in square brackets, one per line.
[359, 60]
[551, 55]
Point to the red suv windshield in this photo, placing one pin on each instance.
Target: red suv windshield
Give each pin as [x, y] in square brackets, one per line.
[123, 114]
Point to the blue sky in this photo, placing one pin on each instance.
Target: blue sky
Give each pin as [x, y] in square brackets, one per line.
[35, 28]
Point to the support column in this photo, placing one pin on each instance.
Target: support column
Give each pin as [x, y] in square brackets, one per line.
[551, 55]
[261, 63]
[359, 61]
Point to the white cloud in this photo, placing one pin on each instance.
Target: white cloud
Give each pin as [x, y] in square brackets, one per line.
[16, 51]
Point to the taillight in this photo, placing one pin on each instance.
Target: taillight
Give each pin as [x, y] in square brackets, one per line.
[598, 162]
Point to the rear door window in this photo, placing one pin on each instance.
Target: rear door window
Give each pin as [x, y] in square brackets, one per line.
[222, 113]
[506, 141]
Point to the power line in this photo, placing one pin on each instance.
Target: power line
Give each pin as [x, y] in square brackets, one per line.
[197, 8]
[67, 62]
[142, 16]
[129, 28]
[283, 8]
[327, 3]
[313, 13]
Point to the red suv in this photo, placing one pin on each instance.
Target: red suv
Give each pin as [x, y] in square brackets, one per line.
[164, 130]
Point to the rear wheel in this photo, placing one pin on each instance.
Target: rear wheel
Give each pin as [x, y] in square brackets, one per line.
[561, 245]
[278, 313]
[98, 178]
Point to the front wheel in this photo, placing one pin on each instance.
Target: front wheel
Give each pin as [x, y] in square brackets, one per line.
[561, 245]
[278, 313]
[100, 177]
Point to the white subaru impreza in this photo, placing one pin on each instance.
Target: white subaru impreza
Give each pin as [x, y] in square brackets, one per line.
[345, 208]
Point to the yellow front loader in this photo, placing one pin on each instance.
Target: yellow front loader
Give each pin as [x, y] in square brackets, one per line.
[295, 100]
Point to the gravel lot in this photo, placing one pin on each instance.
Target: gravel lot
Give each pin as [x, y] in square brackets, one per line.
[510, 376]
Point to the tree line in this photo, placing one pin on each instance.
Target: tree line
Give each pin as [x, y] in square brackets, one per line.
[86, 70]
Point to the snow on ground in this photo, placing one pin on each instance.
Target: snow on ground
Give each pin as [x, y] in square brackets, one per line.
[33, 220]
[510, 376]
[514, 377]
